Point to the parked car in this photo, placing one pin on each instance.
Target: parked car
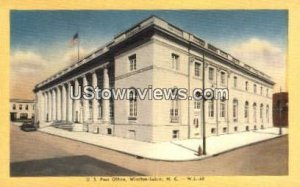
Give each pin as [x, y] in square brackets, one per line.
[28, 126]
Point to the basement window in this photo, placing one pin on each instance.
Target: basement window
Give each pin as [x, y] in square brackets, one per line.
[175, 134]
[213, 130]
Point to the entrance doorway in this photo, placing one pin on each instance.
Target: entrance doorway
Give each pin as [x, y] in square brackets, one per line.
[13, 116]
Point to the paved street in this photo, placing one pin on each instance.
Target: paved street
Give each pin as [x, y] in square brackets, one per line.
[40, 154]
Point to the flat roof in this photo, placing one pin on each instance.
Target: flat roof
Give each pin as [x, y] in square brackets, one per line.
[161, 23]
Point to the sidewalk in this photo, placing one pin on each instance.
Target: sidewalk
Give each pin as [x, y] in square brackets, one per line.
[179, 150]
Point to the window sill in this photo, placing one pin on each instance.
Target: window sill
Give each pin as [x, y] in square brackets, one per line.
[132, 118]
[197, 77]
[174, 121]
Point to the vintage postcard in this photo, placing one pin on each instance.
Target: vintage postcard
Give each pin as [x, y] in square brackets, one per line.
[149, 94]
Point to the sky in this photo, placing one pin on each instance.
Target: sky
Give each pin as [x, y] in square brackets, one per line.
[40, 40]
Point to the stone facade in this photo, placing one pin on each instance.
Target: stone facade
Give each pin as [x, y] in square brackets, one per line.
[158, 54]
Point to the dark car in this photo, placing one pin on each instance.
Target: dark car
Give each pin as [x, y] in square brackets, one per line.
[28, 126]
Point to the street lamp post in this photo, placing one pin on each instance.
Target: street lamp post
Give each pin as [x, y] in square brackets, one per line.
[203, 109]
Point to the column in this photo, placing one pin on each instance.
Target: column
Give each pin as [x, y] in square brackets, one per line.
[64, 103]
[70, 104]
[95, 101]
[50, 105]
[76, 102]
[42, 108]
[39, 107]
[85, 102]
[54, 105]
[45, 106]
[105, 102]
[58, 103]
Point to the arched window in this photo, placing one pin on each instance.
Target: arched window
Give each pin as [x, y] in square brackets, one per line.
[14, 106]
[254, 113]
[99, 109]
[261, 112]
[267, 113]
[90, 110]
[246, 85]
[132, 103]
[254, 88]
[20, 107]
[26, 107]
[235, 110]
[246, 114]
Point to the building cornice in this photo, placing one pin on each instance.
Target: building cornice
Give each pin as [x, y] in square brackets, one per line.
[170, 30]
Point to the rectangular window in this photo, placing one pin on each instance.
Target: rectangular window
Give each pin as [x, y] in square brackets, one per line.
[196, 122]
[175, 134]
[222, 109]
[211, 73]
[254, 88]
[132, 105]
[197, 105]
[174, 114]
[211, 109]
[223, 81]
[235, 82]
[175, 61]
[212, 130]
[235, 110]
[23, 116]
[197, 69]
[99, 109]
[132, 62]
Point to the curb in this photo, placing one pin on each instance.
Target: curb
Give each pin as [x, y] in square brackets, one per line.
[157, 159]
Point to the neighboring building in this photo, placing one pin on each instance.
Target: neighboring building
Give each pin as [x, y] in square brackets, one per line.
[154, 52]
[21, 109]
[280, 109]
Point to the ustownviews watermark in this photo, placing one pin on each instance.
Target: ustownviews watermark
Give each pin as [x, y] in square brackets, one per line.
[150, 93]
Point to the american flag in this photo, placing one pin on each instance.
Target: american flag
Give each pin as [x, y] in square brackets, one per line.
[74, 40]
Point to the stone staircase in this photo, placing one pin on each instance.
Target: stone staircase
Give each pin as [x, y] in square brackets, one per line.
[65, 125]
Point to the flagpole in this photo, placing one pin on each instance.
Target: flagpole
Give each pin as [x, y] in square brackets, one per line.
[78, 47]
